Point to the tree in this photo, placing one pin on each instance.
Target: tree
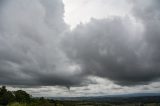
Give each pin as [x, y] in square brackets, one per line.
[22, 96]
[3, 90]
[6, 96]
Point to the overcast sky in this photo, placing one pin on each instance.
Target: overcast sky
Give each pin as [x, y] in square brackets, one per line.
[80, 47]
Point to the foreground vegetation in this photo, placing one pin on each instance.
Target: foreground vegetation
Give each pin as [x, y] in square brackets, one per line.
[78, 103]
[22, 98]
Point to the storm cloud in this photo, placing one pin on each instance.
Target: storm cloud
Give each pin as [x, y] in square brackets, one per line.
[30, 32]
[37, 48]
[120, 49]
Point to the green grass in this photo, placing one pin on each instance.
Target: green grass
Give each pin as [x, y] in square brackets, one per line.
[17, 104]
[32, 104]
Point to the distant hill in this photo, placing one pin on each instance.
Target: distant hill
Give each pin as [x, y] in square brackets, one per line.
[133, 95]
[126, 98]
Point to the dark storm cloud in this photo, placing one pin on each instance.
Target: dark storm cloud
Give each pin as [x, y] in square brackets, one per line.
[29, 49]
[117, 50]
[37, 49]
[150, 16]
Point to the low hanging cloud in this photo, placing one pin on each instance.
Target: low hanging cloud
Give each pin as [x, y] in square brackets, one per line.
[37, 48]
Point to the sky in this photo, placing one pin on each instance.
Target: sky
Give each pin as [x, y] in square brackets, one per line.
[65, 48]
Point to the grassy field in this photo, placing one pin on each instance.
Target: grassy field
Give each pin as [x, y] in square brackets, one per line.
[76, 103]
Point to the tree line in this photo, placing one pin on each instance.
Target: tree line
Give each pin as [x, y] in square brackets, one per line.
[7, 96]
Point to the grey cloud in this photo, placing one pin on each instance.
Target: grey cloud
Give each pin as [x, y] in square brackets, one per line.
[110, 49]
[30, 32]
[38, 49]
[150, 16]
